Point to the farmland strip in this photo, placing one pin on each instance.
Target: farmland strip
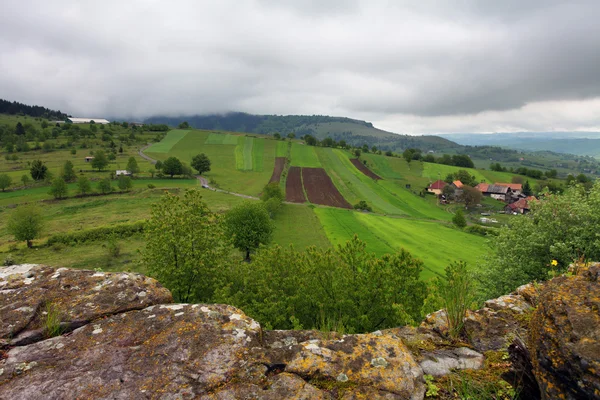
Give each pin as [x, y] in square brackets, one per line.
[362, 168]
[293, 186]
[278, 169]
[321, 190]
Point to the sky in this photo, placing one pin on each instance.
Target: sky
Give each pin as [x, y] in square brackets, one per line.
[413, 67]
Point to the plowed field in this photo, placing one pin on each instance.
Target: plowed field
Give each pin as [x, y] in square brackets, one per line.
[362, 168]
[293, 186]
[320, 189]
[278, 169]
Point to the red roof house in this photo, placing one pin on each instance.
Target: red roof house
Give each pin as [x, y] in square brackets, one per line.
[436, 187]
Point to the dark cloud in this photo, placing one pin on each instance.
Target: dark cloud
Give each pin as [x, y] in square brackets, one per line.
[416, 63]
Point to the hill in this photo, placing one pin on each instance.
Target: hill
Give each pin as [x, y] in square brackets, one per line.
[16, 108]
[353, 131]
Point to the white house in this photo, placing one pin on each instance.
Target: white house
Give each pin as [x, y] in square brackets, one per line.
[122, 172]
[88, 120]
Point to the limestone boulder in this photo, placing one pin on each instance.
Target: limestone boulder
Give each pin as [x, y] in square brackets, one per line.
[29, 291]
[564, 337]
[173, 351]
[441, 362]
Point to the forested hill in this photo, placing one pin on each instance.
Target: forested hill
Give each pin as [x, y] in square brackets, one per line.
[353, 131]
[15, 108]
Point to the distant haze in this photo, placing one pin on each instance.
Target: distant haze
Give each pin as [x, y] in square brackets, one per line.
[407, 66]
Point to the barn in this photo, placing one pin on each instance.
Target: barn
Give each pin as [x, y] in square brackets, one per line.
[88, 120]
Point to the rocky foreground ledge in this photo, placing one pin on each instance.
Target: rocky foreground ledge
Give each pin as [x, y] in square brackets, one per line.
[122, 338]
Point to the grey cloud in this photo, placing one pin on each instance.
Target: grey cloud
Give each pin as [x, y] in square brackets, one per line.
[360, 59]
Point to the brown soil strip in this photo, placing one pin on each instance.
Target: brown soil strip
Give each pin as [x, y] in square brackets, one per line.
[278, 169]
[361, 167]
[293, 186]
[321, 190]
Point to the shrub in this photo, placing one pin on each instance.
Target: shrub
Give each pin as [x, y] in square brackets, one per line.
[151, 186]
[459, 219]
[481, 230]
[458, 295]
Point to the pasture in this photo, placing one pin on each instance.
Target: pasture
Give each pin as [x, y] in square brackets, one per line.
[304, 156]
[164, 146]
[435, 244]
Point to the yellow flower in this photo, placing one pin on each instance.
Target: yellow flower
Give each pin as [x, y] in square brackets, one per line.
[554, 263]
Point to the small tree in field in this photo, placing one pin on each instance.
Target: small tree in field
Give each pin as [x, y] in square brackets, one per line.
[250, 226]
[25, 180]
[38, 170]
[25, 223]
[105, 186]
[59, 188]
[185, 246]
[100, 160]
[124, 183]
[470, 196]
[68, 174]
[83, 185]
[172, 166]
[5, 181]
[132, 166]
[201, 163]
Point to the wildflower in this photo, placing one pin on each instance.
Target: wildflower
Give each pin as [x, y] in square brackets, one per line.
[554, 263]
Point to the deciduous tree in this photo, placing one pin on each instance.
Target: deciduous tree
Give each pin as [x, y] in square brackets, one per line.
[250, 226]
[100, 160]
[26, 223]
[172, 166]
[201, 163]
[5, 181]
[83, 185]
[132, 166]
[59, 188]
[68, 173]
[185, 246]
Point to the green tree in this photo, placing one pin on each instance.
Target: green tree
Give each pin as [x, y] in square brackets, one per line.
[83, 185]
[459, 219]
[184, 125]
[100, 160]
[186, 247]
[172, 166]
[26, 223]
[291, 135]
[559, 227]
[121, 149]
[19, 129]
[201, 163]
[59, 188]
[68, 173]
[527, 191]
[250, 226]
[272, 190]
[470, 196]
[25, 179]
[5, 181]
[38, 170]
[132, 166]
[158, 165]
[357, 153]
[277, 136]
[124, 183]
[105, 186]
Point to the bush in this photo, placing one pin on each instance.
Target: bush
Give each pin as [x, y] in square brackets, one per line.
[459, 219]
[151, 186]
[99, 233]
[481, 230]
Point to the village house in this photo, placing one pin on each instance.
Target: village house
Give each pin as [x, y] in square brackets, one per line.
[502, 193]
[457, 184]
[520, 206]
[123, 172]
[89, 159]
[436, 187]
[516, 188]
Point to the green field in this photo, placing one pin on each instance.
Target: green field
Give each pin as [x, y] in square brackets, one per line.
[243, 153]
[173, 137]
[221, 138]
[225, 160]
[299, 225]
[435, 244]
[304, 156]
[385, 196]
[282, 149]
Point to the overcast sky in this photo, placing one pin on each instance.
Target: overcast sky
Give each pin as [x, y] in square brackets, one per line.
[407, 66]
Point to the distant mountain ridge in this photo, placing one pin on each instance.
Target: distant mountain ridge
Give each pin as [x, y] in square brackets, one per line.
[353, 131]
[579, 143]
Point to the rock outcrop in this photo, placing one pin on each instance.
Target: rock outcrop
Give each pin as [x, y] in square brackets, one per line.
[564, 337]
[119, 337]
